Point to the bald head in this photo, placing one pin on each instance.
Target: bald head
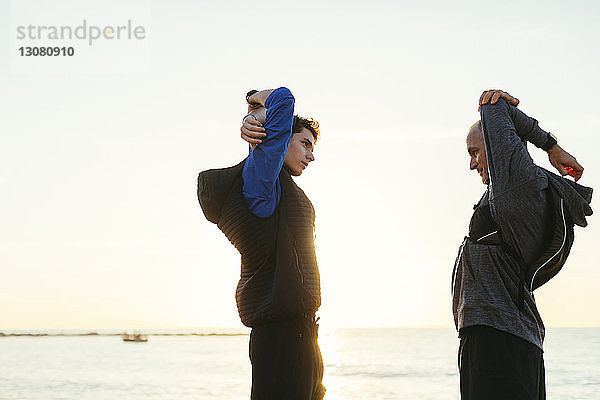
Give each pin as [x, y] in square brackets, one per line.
[475, 130]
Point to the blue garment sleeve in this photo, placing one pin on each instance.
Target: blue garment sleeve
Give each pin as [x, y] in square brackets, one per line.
[261, 187]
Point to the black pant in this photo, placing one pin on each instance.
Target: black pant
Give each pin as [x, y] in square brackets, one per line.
[497, 365]
[286, 361]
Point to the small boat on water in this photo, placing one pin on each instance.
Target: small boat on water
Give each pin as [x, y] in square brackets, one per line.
[135, 337]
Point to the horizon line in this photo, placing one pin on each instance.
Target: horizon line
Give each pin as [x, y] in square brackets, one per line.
[210, 330]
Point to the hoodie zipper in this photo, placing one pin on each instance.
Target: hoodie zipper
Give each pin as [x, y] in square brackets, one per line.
[562, 213]
[484, 236]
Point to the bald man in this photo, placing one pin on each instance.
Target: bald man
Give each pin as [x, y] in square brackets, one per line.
[520, 235]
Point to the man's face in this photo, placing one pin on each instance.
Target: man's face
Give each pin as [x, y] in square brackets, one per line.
[300, 152]
[476, 149]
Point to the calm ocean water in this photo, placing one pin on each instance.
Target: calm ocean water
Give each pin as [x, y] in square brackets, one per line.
[360, 364]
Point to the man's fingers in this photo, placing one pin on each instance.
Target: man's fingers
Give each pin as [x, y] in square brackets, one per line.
[496, 96]
[559, 166]
[253, 134]
[573, 168]
[251, 122]
[254, 128]
[484, 97]
[481, 97]
[250, 140]
[575, 173]
[512, 100]
[578, 172]
[571, 162]
[492, 97]
[487, 96]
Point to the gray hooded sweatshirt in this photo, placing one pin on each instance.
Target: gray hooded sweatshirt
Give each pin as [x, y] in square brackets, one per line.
[520, 233]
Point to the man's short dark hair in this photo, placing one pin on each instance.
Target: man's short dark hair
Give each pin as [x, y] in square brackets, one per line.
[310, 124]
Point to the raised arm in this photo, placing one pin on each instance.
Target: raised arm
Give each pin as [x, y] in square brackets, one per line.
[528, 130]
[509, 163]
[261, 171]
[525, 127]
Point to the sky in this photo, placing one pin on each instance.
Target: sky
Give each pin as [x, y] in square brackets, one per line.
[100, 152]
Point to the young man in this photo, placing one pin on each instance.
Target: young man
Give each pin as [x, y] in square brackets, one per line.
[520, 235]
[269, 219]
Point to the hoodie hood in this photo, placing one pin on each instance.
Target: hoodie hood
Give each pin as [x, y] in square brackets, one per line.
[577, 198]
[214, 186]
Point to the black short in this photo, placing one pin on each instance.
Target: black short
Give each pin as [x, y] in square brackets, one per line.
[497, 365]
[286, 361]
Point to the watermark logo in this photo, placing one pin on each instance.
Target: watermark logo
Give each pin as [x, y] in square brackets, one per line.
[89, 33]
[80, 37]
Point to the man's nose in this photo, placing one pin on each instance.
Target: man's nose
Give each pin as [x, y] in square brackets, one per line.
[310, 156]
[473, 163]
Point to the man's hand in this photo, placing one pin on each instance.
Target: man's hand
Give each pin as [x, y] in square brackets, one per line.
[252, 130]
[564, 162]
[493, 95]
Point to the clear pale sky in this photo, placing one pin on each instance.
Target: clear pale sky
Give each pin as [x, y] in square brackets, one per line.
[99, 153]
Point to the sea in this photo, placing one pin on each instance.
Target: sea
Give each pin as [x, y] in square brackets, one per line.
[373, 363]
